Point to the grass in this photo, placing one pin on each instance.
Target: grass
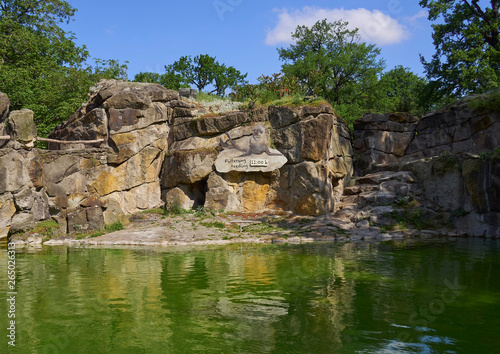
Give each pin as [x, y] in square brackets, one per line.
[489, 101]
[490, 155]
[114, 227]
[217, 224]
[177, 210]
[406, 202]
[46, 228]
[267, 100]
[159, 211]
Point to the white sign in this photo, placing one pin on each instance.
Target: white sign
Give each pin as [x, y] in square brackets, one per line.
[259, 162]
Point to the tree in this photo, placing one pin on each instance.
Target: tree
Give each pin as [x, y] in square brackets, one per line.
[198, 72]
[402, 90]
[169, 79]
[227, 77]
[203, 71]
[41, 68]
[330, 61]
[467, 43]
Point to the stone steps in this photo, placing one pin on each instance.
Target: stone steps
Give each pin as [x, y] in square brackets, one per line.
[373, 196]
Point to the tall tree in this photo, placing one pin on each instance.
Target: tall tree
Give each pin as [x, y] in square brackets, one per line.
[402, 89]
[330, 60]
[169, 79]
[227, 77]
[41, 67]
[204, 70]
[198, 71]
[467, 43]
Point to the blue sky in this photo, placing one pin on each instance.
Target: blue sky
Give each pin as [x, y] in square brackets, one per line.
[242, 33]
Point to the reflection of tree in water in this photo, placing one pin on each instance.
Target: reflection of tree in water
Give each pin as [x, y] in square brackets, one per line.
[221, 298]
[316, 298]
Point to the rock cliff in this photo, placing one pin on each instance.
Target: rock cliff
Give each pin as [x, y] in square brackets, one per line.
[453, 152]
[150, 147]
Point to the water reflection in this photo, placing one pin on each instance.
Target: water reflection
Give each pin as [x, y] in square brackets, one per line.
[315, 298]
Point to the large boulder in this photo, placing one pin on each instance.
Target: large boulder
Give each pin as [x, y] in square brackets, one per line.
[22, 128]
[116, 107]
[186, 167]
[4, 111]
[22, 222]
[15, 168]
[456, 129]
[382, 138]
[7, 211]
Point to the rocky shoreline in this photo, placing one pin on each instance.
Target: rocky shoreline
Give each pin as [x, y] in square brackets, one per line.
[229, 228]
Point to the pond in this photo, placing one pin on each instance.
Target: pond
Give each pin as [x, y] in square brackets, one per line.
[418, 296]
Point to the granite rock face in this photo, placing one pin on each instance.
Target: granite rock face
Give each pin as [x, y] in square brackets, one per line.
[452, 151]
[84, 186]
[160, 149]
[21, 128]
[383, 138]
[456, 129]
[4, 112]
[307, 136]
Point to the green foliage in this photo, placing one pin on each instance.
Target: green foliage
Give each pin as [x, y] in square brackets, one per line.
[207, 97]
[169, 79]
[280, 85]
[330, 61]
[202, 71]
[489, 101]
[46, 228]
[406, 202]
[159, 211]
[263, 228]
[202, 213]
[244, 93]
[350, 112]
[176, 210]
[402, 91]
[467, 42]
[114, 227]
[217, 224]
[41, 68]
[490, 155]
[404, 218]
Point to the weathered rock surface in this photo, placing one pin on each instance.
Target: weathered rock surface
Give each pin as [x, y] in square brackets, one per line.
[465, 186]
[4, 111]
[451, 153]
[21, 128]
[160, 149]
[306, 136]
[383, 138]
[456, 129]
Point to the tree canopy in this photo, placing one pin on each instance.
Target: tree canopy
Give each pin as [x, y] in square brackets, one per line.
[331, 61]
[41, 67]
[403, 91]
[203, 70]
[467, 43]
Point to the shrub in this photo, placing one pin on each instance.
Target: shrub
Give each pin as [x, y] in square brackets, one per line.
[114, 227]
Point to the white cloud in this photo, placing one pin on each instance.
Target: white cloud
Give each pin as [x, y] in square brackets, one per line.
[417, 16]
[374, 26]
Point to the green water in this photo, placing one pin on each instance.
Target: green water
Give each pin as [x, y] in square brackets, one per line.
[420, 296]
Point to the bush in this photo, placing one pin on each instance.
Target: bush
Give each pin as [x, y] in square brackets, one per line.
[114, 227]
